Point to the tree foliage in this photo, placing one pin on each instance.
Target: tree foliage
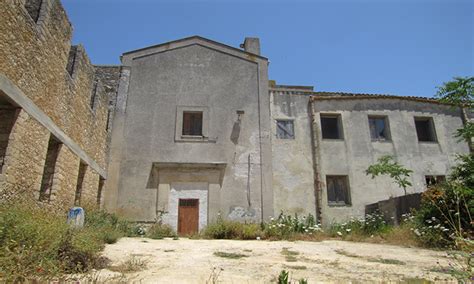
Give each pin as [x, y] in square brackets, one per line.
[458, 92]
[386, 165]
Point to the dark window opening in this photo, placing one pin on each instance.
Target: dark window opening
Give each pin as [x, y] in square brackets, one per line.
[80, 183]
[331, 127]
[378, 128]
[34, 7]
[49, 169]
[92, 102]
[71, 62]
[338, 191]
[192, 123]
[285, 129]
[8, 115]
[100, 190]
[434, 180]
[425, 129]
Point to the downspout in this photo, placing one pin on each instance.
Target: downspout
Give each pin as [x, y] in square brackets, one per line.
[315, 150]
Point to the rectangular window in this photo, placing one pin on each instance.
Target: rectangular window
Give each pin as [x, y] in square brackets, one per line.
[285, 129]
[434, 180]
[49, 169]
[192, 123]
[331, 126]
[425, 129]
[338, 191]
[80, 183]
[379, 128]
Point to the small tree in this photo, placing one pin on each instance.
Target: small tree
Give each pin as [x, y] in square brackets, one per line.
[387, 166]
[460, 92]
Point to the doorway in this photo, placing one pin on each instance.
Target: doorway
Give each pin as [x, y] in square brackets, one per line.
[188, 216]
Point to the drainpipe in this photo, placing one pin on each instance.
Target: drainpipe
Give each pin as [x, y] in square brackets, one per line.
[315, 150]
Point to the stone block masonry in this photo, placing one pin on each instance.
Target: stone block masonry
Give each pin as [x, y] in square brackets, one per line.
[53, 89]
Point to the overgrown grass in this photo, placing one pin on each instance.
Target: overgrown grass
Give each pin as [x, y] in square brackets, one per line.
[36, 242]
[160, 231]
[226, 229]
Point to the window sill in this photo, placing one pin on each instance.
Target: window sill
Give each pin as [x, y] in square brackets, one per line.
[336, 205]
[333, 139]
[195, 138]
[428, 142]
[381, 141]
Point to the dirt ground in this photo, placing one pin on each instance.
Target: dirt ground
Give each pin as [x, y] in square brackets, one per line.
[195, 261]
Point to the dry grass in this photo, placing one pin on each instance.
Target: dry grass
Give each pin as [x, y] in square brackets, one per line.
[132, 264]
[230, 255]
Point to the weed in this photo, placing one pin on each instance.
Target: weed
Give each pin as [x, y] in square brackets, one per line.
[225, 229]
[169, 250]
[284, 278]
[214, 276]
[132, 264]
[230, 255]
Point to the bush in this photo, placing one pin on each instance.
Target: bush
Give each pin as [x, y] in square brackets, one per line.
[225, 229]
[36, 243]
[445, 215]
[160, 231]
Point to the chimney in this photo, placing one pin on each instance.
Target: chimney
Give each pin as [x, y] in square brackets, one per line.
[252, 45]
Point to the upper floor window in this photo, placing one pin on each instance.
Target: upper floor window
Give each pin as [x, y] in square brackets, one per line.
[331, 126]
[425, 129]
[338, 191]
[192, 123]
[285, 129]
[434, 180]
[34, 7]
[379, 128]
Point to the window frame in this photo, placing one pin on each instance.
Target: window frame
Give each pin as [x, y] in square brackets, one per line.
[431, 129]
[340, 127]
[387, 133]
[204, 137]
[345, 203]
[437, 178]
[293, 137]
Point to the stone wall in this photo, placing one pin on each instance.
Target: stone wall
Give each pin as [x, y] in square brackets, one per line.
[59, 79]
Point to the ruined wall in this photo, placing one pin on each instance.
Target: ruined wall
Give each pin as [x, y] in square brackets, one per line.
[34, 57]
[293, 179]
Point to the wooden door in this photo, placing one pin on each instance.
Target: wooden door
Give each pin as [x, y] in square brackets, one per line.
[188, 216]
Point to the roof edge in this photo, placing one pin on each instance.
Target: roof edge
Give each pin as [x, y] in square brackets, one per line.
[190, 38]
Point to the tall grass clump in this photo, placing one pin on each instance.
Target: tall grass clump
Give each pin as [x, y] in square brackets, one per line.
[227, 229]
[37, 244]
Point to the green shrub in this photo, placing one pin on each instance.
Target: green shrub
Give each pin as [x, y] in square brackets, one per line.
[36, 242]
[226, 229]
[160, 231]
[445, 216]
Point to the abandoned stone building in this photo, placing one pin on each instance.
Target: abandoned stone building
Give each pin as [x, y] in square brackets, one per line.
[53, 108]
[193, 129]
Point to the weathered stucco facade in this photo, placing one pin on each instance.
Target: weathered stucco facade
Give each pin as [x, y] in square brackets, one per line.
[190, 130]
[150, 155]
[54, 113]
